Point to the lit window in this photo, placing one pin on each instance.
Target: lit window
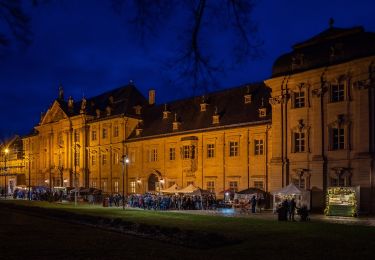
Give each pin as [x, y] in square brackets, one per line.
[259, 185]
[338, 138]
[154, 155]
[116, 186]
[115, 131]
[259, 147]
[233, 149]
[337, 182]
[172, 153]
[104, 133]
[105, 185]
[337, 92]
[299, 182]
[211, 186]
[210, 150]
[299, 142]
[132, 187]
[188, 152]
[233, 186]
[299, 99]
[93, 135]
[93, 184]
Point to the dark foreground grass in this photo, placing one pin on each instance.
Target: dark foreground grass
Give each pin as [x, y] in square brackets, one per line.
[260, 238]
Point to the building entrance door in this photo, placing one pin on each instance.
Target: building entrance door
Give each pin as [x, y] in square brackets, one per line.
[152, 180]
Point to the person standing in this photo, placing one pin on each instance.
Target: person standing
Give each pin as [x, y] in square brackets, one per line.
[253, 204]
[291, 209]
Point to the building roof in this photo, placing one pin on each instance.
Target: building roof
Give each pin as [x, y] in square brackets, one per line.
[228, 104]
[332, 46]
[120, 100]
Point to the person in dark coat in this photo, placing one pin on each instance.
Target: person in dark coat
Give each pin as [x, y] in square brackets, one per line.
[291, 209]
[253, 204]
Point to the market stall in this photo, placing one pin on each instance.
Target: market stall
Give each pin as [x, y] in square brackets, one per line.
[342, 201]
[189, 189]
[171, 190]
[301, 196]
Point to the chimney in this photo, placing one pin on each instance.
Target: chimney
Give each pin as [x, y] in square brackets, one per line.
[151, 96]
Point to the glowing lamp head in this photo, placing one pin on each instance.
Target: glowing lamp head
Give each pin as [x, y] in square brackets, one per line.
[6, 150]
[127, 160]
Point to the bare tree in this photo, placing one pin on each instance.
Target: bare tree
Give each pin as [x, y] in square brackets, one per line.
[194, 62]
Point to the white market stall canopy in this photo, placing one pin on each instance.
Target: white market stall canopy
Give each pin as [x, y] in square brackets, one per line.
[301, 196]
[189, 189]
[173, 189]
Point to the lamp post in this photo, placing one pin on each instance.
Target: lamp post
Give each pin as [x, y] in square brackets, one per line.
[6, 151]
[125, 161]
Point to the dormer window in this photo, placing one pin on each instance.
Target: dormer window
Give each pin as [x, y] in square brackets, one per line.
[247, 98]
[97, 113]
[176, 124]
[216, 117]
[262, 112]
[109, 110]
[138, 131]
[166, 112]
[137, 110]
[203, 107]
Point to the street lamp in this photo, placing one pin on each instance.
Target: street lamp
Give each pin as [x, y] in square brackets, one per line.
[125, 162]
[6, 151]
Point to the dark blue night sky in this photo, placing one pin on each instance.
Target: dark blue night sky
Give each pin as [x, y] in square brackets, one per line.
[89, 49]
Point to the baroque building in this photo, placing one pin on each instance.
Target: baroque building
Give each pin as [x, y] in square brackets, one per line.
[311, 123]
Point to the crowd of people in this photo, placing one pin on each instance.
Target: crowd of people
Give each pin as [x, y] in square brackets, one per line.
[287, 209]
[175, 202]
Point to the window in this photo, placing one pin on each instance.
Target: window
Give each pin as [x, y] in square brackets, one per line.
[93, 184]
[337, 182]
[104, 159]
[93, 160]
[116, 186]
[105, 185]
[233, 149]
[76, 135]
[116, 158]
[189, 183]
[211, 186]
[104, 133]
[259, 147]
[115, 131]
[299, 142]
[93, 135]
[299, 99]
[337, 92]
[210, 150]
[258, 184]
[132, 157]
[76, 157]
[132, 187]
[172, 153]
[154, 155]
[338, 138]
[299, 182]
[188, 152]
[233, 185]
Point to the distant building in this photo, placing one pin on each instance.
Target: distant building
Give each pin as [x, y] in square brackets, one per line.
[311, 123]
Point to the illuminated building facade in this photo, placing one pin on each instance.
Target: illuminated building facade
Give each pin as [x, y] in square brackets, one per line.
[311, 123]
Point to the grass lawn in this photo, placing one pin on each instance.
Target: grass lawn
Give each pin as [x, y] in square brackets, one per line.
[260, 238]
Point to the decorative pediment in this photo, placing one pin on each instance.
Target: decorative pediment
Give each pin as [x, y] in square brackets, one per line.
[54, 114]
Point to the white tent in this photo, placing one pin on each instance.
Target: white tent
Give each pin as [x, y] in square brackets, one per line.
[189, 189]
[173, 189]
[301, 196]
